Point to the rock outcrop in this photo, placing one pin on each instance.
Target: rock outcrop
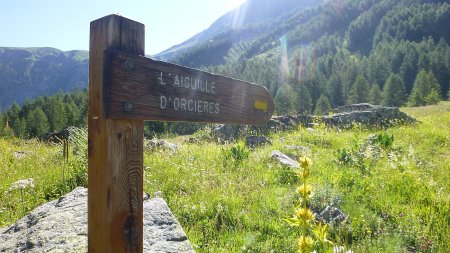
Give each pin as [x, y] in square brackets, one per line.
[366, 114]
[342, 117]
[162, 144]
[331, 215]
[61, 226]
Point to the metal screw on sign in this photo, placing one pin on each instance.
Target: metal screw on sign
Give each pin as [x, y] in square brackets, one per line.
[129, 65]
[128, 106]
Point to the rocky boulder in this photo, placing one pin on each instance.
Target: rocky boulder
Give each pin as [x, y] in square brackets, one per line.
[224, 132]
[331, 215]
[256, 141]
[366, 114]
[162, 144]
[342, 117]
[61, 226]
[284, 159]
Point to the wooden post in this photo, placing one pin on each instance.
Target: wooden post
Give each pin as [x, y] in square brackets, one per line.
[115, 183]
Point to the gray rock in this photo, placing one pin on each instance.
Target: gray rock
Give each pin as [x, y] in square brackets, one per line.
[226, 132]
[61, 226]
[331, 215]
[284, 159]
[277, 123]
[256, 141]
[232, 132]
[158, 194]
[355, 108]
[162, 144]
[365, 114]
[341, 117]
[282, 122]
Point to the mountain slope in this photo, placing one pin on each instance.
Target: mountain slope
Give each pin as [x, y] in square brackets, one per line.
[301, 50]
[29, 72]
[319, 52]
[243, 23]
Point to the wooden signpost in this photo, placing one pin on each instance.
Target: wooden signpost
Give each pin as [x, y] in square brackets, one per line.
[126, 88]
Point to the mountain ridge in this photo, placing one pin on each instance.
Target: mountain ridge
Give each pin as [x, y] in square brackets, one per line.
[37, 71]
[318, 49]
[237, 19]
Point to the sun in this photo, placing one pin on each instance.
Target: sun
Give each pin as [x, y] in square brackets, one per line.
[234, 3]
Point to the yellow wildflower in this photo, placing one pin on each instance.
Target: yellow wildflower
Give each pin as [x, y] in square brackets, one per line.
[305, 162]
[305, 243]
[304, 190]
[304, 214]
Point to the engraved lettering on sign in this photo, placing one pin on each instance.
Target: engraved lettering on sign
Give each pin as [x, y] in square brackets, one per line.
[163, 102]
[187, 82]
[189, 105]
[184, 104]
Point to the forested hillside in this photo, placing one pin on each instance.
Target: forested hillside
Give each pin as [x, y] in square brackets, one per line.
[311, 55]
[50, 114]
[340, 52]
[45, 114]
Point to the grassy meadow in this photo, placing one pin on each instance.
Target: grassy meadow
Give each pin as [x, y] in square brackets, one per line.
[395, 189]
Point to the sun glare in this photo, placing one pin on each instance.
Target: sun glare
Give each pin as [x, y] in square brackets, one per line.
[234, 3]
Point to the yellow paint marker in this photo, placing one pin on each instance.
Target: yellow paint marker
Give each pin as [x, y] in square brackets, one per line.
[261, 105]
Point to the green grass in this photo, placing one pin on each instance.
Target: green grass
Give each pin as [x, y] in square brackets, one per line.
[21, 160]
[396, 197]
[52, 175]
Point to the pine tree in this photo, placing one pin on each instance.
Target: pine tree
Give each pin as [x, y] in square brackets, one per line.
[360, 91]
[322, 106]
[336, 92]
[426, 89]
[304, 101]
[440, 66]
[37, 122]
[12, 116]
[379, 69]
[394, 91]
[433, 97]
[21, 128]
[72, 113]
[408, 70]
[55, 112]
[375, 94]
[285, 100]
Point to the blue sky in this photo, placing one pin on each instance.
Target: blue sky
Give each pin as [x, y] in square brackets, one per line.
[64, 24]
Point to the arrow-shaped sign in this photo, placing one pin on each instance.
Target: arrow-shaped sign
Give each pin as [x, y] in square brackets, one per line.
[142, 88]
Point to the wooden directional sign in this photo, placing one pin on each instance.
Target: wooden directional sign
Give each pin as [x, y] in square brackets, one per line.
[125, 88]
[141, 88]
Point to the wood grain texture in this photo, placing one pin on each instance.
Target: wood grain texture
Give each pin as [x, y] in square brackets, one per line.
[155, 90]
[115, 158]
